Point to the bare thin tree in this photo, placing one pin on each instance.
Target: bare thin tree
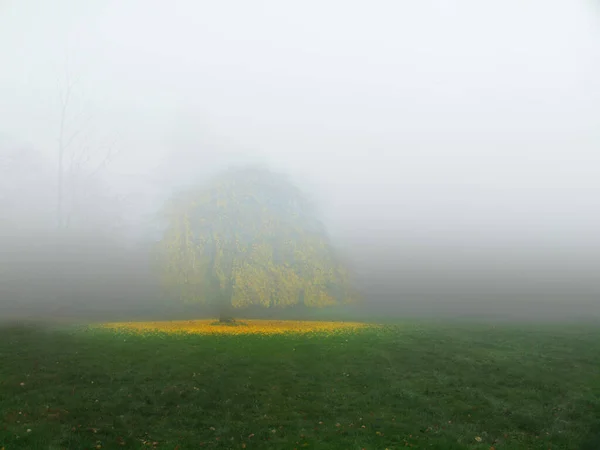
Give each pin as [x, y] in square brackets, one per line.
[79, 159]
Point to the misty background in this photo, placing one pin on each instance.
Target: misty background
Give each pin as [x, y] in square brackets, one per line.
[453, 147]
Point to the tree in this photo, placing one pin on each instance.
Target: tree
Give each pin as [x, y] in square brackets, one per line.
[249, 238]
[78, 160]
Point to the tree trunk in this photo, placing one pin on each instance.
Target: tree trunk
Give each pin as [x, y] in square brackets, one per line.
[225, 311]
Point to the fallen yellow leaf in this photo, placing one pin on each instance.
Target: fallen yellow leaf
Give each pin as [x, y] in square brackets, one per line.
[248, 327]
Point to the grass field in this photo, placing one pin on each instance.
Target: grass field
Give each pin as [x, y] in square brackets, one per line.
[420, 385]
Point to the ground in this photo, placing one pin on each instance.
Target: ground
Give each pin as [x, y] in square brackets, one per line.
[428, 385]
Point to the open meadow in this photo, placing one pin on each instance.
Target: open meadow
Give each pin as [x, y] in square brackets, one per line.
[295, 385]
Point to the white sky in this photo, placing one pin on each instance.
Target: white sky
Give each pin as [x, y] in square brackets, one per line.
[468, 121]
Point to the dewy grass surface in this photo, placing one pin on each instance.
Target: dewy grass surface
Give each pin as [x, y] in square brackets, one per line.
[241, 327]
[432, 386]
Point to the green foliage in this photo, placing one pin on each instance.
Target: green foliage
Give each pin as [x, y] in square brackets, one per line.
[250, 238]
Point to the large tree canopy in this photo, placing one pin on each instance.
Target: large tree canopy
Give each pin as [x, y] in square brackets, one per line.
[250, 238]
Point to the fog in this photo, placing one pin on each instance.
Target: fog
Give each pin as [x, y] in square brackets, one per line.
[452, 147]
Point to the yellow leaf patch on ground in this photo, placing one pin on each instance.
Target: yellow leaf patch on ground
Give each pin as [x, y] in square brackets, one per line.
[245, 327]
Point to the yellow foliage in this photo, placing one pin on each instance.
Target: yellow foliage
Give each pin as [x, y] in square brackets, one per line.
[247, 327]
[231, 239]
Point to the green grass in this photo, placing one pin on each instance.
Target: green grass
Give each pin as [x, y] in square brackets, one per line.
[425, 385]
